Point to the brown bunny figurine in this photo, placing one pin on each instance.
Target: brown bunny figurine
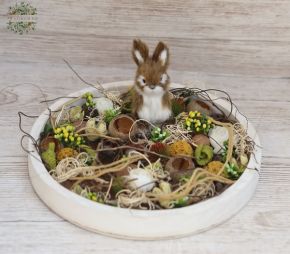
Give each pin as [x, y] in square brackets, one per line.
[151, 99]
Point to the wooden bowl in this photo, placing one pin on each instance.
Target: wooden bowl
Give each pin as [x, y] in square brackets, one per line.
[140, 224]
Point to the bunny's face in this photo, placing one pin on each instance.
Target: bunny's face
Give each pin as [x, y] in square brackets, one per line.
[151, 77]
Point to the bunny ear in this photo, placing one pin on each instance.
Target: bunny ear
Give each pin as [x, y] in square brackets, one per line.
[161, 54]
[140, 52]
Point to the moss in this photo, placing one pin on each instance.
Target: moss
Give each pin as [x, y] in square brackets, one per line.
[110, 114]
[49, 156]
[178, 106]
[118, 185]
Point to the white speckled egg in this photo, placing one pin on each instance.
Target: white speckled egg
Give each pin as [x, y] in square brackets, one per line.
[103, 104]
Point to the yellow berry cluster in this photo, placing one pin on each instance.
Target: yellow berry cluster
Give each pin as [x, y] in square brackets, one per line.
[67, 135]
[197, 122]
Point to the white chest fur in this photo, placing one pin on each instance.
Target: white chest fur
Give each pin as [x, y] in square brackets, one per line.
[152, 109]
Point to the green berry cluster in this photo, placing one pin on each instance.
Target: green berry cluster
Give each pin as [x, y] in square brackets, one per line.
[181, 202]
[225, 151]
[232, 171]
[197, 122]
[89, 99]
[67, 135]
[158, 135]
[94, 197]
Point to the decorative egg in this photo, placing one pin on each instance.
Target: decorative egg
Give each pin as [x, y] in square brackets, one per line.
[140, 179]
[201, 139]
[76, 114]
[91, 129]
[244, 160]
[103, 104]
[180, 147]
[94, 130]
[101, 127]
[196, 104]
[164, 188]
[218, 135]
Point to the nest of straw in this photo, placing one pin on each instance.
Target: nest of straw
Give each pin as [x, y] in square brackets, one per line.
[123, 161]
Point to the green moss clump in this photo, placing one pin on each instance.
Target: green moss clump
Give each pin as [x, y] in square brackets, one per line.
[118, 184]
[110, 114]
[178, 106]
[49, 156]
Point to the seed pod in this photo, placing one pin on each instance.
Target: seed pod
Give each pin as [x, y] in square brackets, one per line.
[108, 156]
[120, 126]
[203, 154]
[179, 167]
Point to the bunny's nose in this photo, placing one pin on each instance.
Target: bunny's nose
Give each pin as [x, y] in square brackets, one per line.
[152, 86]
